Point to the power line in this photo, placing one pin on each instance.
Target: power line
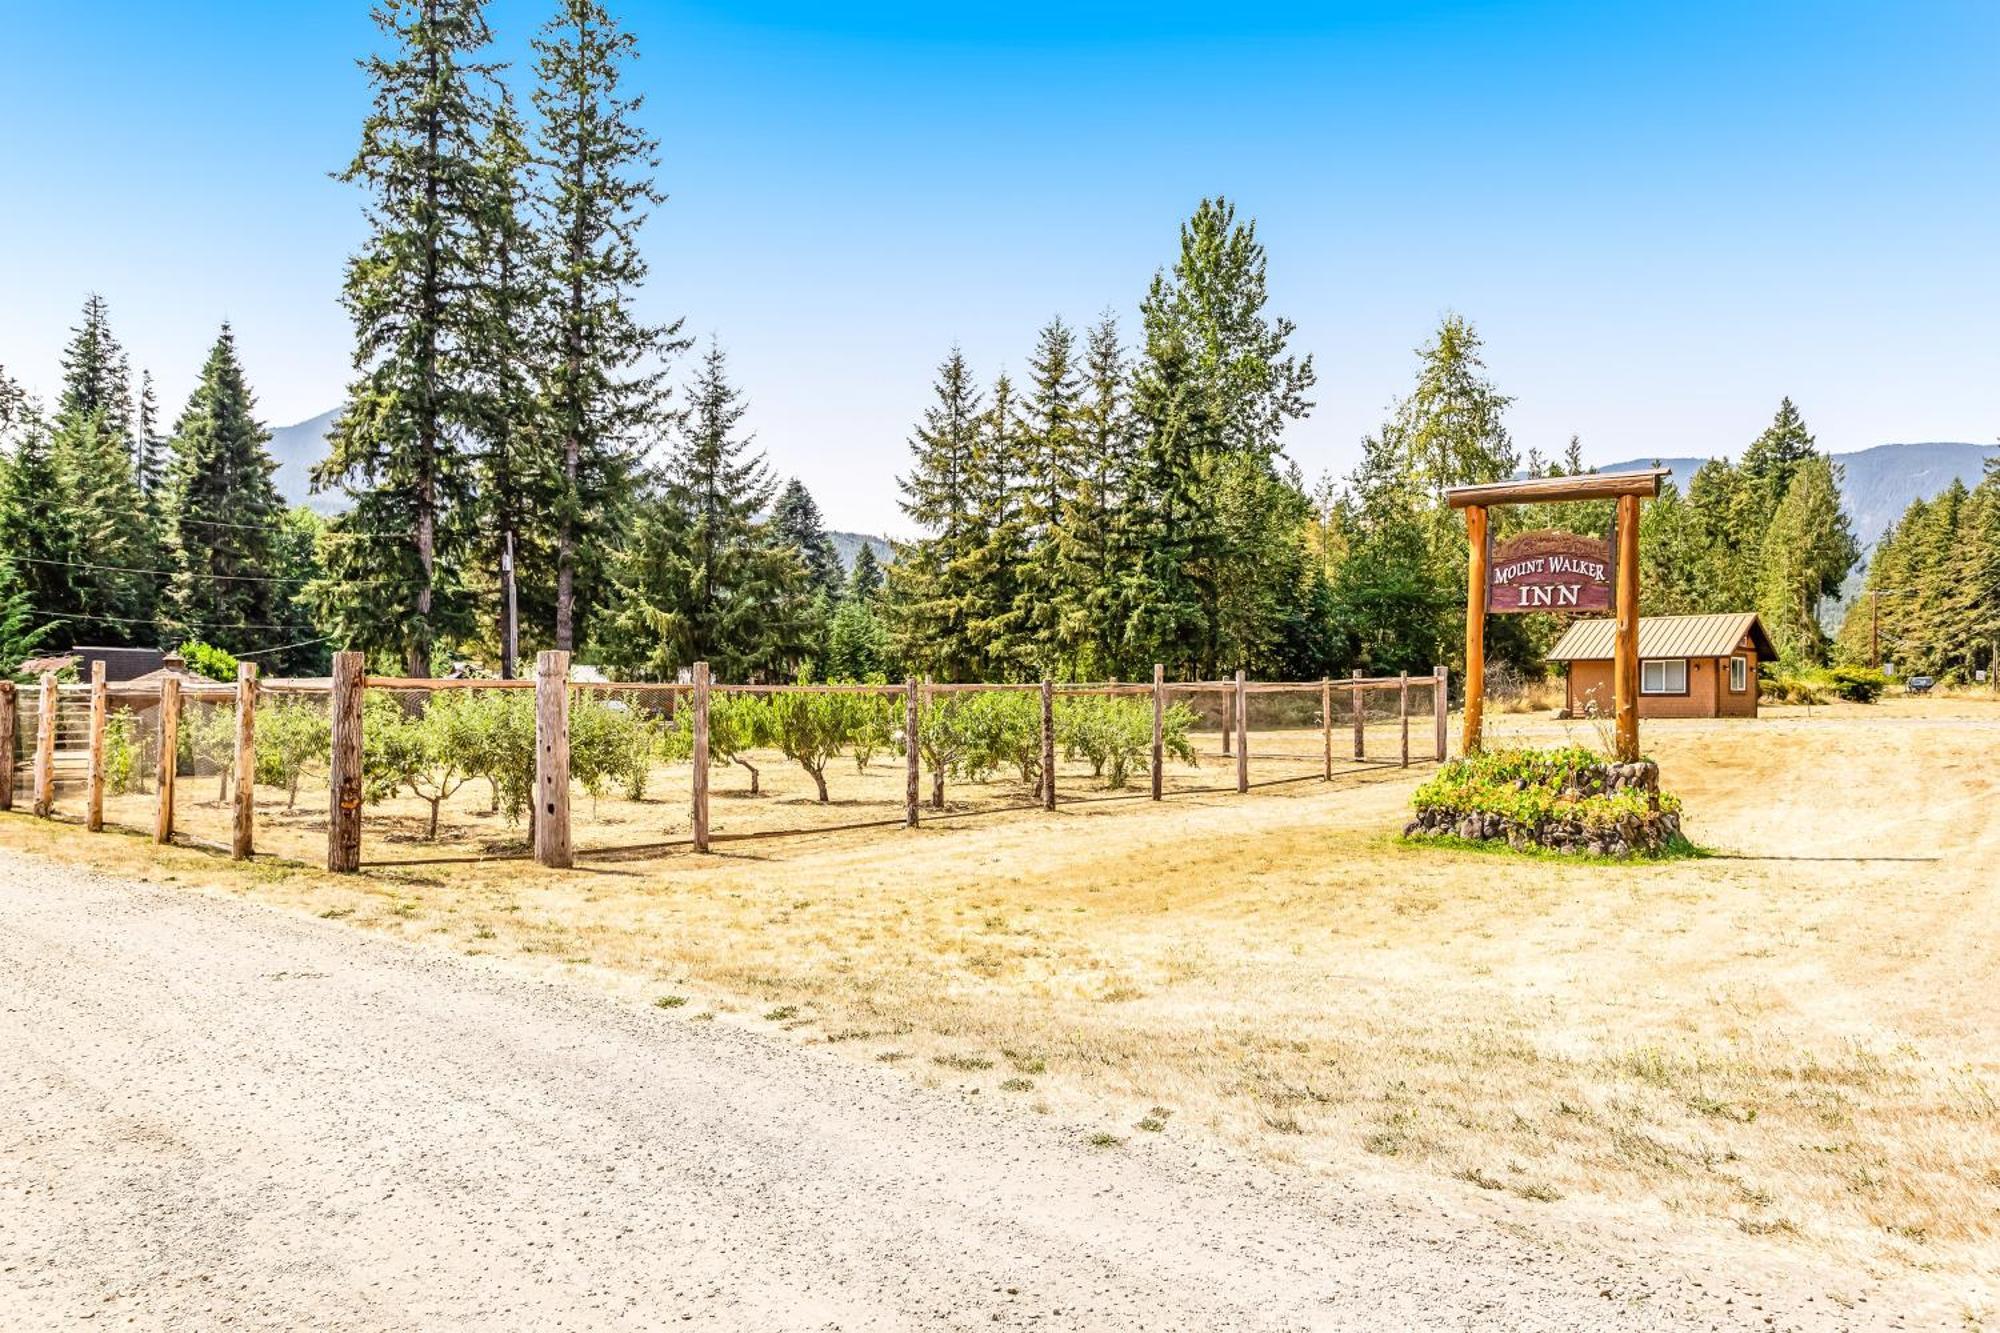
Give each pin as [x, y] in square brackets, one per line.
[197, 574]
[154, 620]
[280, 528]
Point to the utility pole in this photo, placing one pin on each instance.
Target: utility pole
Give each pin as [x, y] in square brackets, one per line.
[510, 643]
[1875, 596]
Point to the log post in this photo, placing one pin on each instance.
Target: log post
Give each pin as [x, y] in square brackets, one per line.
[10, 717]
[1403, 713]
[552, 841]
[1242, 735]
[1475, 629]
[1441, 705]
[700, 784]
[1159, 729]
[913, 760]
[170, 758]
[1625, 651]
[243, 835]
[45, 747]
[100, 707]
[1048, 745]
[1360, 716]
[1326, 728]
[344, 782]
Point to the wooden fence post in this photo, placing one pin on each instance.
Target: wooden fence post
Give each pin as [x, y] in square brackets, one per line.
[243, 836]
[100, 705]
[1048, 745]
[1441, 704]
[913, 760]
[1242, 735]
[343, 822]
[170, 758]
[1326, 727]
[552, 842]
[1159, 728]
[700, 813]
[1360, 717]
[9, 722]
[1403, 712]
[45, 748]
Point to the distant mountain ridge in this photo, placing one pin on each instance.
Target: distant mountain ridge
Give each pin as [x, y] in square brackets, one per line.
[1877, 484]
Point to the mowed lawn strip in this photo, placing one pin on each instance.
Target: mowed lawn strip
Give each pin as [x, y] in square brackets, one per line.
[1791, 1040]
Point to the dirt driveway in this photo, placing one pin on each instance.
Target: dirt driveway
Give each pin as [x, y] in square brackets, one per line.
[213, 1115]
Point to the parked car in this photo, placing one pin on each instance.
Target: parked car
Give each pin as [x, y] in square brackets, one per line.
[1920, 685]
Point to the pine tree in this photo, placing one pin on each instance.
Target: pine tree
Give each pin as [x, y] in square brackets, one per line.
[1807, 552]
[1047, 460]
[706, 576]
[1168, 594]
[864, 581]
[596, 190]
[221, 510]
[392, 581]
[798, 520]
[113, 592]
[149, 458]
[1451, 428]
[926, 586]
[990, 569]
[96, 375]
[516, 480]
[34, 529]
[1774, 456]
[1094, 537]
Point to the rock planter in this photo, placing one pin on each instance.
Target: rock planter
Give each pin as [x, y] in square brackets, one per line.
[1565, 801]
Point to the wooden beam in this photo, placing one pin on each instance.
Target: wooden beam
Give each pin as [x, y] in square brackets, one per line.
[100, 706]
[1475, 630]
[243, 832]
[913, 761]
[170, 758]
[1625, 651]
[1403, 712]
[1441, 706]
[344, 781]
[552, 840]
[45, 747]
[1159, 729]
[1359, 691]
[1544, 490]
[10, 722]
[700, 783]
[1242, 735]
[1048, 745]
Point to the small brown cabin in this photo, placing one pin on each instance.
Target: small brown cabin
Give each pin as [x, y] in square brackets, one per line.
[1689, 666]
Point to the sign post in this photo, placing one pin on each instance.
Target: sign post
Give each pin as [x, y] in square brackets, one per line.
[1556, 571]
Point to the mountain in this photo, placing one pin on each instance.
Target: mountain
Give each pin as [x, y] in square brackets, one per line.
[1876, 484]
[297, 448]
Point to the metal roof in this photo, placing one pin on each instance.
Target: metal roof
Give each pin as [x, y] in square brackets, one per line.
[1666, 636]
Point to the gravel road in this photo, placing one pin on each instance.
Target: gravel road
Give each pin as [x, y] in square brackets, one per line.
[215, 1115]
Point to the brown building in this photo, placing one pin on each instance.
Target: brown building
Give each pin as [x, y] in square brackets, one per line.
[1689, 666]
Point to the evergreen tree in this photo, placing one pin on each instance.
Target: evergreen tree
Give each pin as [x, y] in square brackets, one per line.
[221, 510]
[596, 190]
[392, 577]
[706, 576]
[96, 375]
[1774, 456]
[864, 581]
[927, 583]
[149, 457]
[1094, 536]
[1168, 596]
[35, 535]
[990, 571]
[1451, 429]
[112, 588]
[798, 521]
[1807, 552]
[1044, 469]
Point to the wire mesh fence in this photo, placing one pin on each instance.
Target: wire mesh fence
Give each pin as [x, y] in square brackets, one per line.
[447, 770]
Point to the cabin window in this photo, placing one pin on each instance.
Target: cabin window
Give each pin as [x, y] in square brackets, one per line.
[1666, 675]
[1739, 674]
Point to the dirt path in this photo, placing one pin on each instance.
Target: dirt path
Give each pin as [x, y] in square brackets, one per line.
[214, 1115]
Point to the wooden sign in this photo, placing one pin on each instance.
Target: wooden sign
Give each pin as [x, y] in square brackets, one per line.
[1549, 571]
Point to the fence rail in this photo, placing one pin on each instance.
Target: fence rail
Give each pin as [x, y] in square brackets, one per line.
[599, 769]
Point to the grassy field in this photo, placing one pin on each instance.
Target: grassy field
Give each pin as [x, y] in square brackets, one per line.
[1792, 1045]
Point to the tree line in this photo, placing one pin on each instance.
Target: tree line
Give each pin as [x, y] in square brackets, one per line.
[1934, 580]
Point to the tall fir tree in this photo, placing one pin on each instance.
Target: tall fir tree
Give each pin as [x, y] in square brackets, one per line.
[864, 581]
[1807, 552]
[1095, 550]
[600, 391]
[392, 582]
[990, 571]
[927, 581]
[1770, 461]
[96, 373]
[1047, 461]
[222, 511]
[706, 576]
[149, 458]
[799, 523]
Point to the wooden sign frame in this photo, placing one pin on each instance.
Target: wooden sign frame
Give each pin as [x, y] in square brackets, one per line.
[1627, 489]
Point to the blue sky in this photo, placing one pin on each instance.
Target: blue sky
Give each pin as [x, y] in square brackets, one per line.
[1661, 218]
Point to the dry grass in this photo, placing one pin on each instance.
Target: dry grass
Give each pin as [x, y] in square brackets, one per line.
[1793, 1040]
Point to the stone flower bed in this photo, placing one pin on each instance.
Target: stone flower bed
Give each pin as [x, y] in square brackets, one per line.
[1567, 800]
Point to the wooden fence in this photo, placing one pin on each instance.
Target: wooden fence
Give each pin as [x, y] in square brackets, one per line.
[553, 690]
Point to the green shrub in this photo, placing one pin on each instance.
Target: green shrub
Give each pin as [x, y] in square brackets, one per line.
[1565, 792]
[121, 754]
[1859, 684]
[610, 740]
[1116, 735]
[205, 659]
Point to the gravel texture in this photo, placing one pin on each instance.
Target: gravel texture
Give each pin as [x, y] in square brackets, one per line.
[214, 1115]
